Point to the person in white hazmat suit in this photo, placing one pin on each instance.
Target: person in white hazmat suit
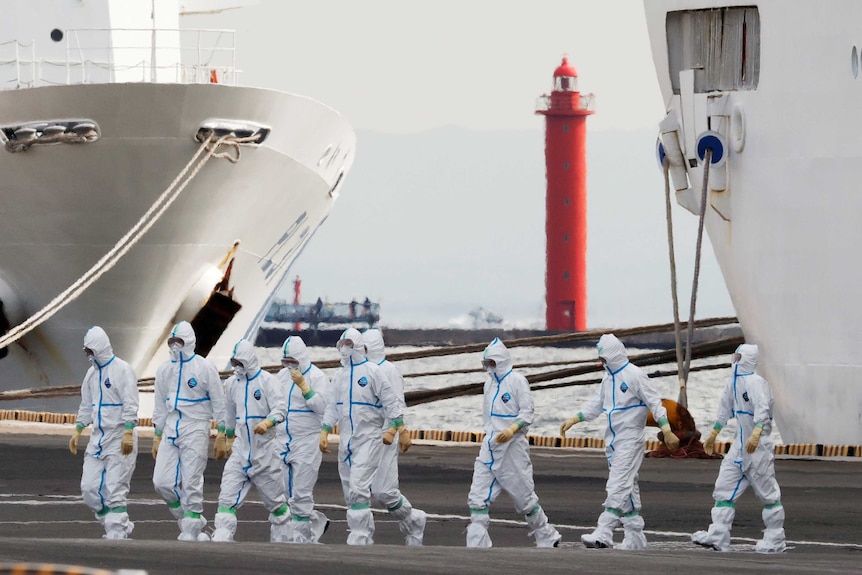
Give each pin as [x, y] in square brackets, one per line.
[624, 396]
[750, 460]
[109, 400]
[384, 488]
[255, 403]
[306, 388]
[362, 402]
[188, 396]
[504, 462]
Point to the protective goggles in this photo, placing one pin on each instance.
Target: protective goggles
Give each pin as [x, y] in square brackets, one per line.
[173, 340]
[289, 362]
[489, 364]
[235, 362]
[344, 343]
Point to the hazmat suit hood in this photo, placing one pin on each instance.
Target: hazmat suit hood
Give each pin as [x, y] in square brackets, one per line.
[295, 347]
[358, 353]
[97, 340]
[613, 351]
[244, 352]
[185, 332]
[375, 349]
[497, 351]
[749, 354]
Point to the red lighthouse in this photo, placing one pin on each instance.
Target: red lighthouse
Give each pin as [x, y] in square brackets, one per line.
[566, 111]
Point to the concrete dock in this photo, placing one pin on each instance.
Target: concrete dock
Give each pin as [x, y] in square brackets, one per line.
[42, 518]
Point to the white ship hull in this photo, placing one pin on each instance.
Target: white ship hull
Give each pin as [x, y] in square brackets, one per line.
[786, 230]
[62, 207]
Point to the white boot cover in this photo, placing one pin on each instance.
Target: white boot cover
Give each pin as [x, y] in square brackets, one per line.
[718, 534]
[225, 527]
[413, 528]
[603, 535]
[773, 535]
[191, 527]
[319, 525]
[280, 528]
[477, 531]
[634, 538]
[543, 532]
[360, 523]
[118, 526]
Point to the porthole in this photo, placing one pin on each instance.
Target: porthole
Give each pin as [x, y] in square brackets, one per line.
[57, 35]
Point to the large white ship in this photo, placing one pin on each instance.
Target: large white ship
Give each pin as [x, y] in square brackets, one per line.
[103, 103]
[779, 82]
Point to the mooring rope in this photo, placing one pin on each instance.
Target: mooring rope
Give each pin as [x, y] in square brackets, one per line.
[683, 399]
[694, 282]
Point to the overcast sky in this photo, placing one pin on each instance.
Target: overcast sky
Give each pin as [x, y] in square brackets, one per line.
[410, 67]
[402, 66]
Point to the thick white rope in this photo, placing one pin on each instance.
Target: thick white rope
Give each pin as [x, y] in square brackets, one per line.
[690, 332]
[683, 398]
[110, 259]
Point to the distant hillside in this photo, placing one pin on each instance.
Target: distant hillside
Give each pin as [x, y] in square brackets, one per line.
[437, 223]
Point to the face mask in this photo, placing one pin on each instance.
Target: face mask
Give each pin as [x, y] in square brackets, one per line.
[736, 358]
[92, 359]
[175, 350]
[489, 365]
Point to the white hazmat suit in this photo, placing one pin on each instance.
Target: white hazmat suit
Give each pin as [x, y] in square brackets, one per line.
[625, 396]
[504, 462]
[188, 396]
[254, 402]
[109, 401]
[384, 488]
[750, 460]
[298, 438]
[362, 402]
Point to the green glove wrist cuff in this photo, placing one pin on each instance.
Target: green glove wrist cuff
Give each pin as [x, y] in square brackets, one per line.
[519, 423]
[326, 428]
[272, 419]
[130, 425]
[230, 432]
[396, 423]
[662, 422]
[717, 426]
[220, 428]
[760, 425]
[157, 432]
[581, 416]
[79, 426]
[308, 395]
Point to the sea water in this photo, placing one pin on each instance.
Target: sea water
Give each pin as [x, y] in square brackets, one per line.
[552, 406]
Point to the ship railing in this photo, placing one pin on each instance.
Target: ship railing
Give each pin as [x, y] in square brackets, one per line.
[182, 56]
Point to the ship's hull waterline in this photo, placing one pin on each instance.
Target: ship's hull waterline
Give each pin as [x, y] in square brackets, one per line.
[63, 206]
[787, 242]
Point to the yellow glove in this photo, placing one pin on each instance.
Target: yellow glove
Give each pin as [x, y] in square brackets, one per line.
[394, 426]
[220, 447]
[73, 442]
[229, 442]
[404, 441]
[753, 439]
[263, 426]
[709, 444]
[567, 424]
[670, 438]
[157, 439]
[507, 433]
[128, 442]
[324, 440]
[300, 381]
